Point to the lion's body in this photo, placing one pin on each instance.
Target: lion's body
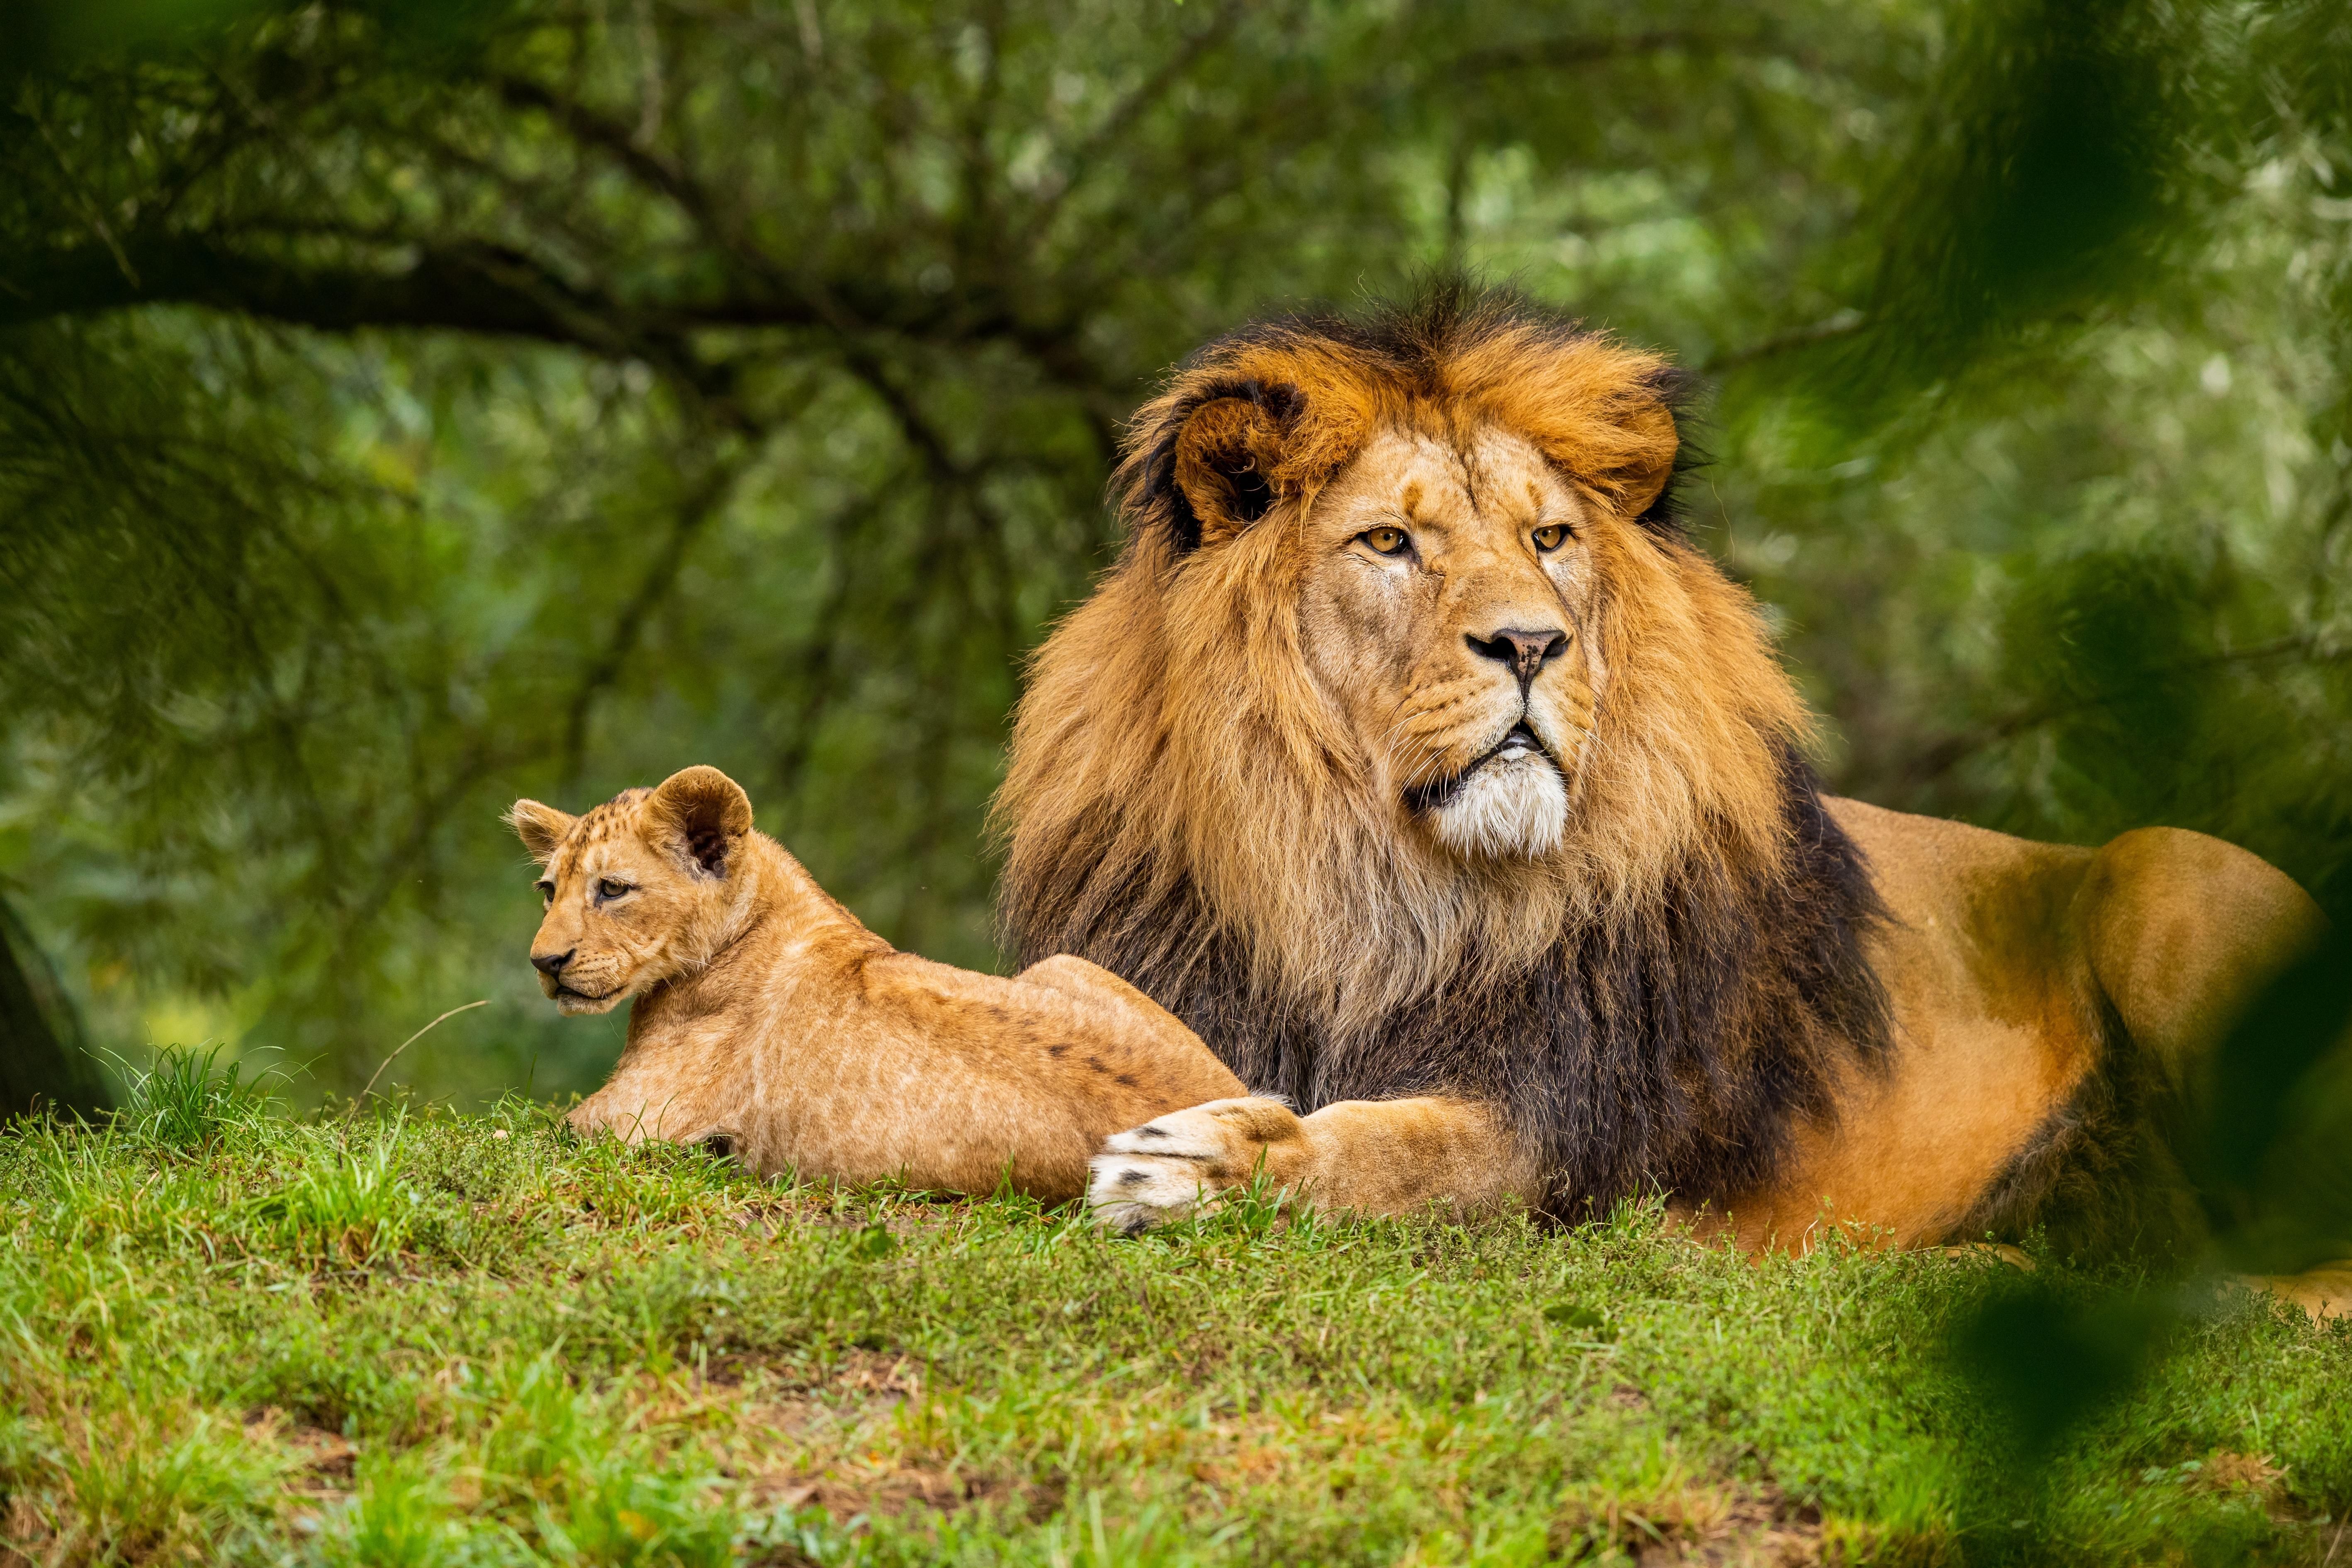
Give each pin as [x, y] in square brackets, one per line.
[767, 1016]
[2050, 1005]
[1415, 757]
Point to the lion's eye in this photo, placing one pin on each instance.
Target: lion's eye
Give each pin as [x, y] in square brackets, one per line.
[546, 892]
[1385, 539]
[609, 889]
[1550, 536]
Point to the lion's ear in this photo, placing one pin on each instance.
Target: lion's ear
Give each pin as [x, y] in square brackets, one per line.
[1653, 440]
[541, 828]
[1604, 414]
[705, 815]
[1229, 457]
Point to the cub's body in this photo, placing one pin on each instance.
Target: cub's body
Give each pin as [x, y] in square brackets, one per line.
[769, 1017]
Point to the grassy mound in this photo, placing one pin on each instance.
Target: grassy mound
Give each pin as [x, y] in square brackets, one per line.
[408, 1337]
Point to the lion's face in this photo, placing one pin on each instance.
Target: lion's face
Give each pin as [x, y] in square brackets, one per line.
[1407, 671]
[1443, 610]
[633, 890]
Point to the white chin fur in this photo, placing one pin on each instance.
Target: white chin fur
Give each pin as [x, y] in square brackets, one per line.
[1506, 810]
[573, 1006]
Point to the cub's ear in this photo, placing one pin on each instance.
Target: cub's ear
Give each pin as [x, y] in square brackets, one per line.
[541, 828]
[1228, 460]
[705, 813]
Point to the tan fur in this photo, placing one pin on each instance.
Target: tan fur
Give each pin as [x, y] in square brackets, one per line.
[1263, 711]
[1250, 710]
[1289, 706]
[1388, 1156]
[765, 1014]
[2002, 960]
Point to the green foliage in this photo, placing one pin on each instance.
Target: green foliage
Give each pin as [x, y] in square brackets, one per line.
[404, 408]
[585, 1352]
[184, 1099]
[2272, 1154]
[355, 1208]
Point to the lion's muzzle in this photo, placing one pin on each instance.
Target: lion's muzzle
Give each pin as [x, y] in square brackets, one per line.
[1509, 803]
[1522, 653]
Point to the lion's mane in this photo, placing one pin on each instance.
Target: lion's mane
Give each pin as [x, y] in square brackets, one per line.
[1655, 1002]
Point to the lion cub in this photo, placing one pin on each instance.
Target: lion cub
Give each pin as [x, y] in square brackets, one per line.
[768, 1017]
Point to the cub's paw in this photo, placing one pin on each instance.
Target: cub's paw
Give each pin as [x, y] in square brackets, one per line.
[1174, 1164]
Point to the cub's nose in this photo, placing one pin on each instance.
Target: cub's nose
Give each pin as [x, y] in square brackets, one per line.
[1525, 651]
[552, 963]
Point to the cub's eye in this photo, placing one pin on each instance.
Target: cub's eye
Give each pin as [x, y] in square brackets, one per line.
[1550, 536]
[1386, 539]
[546, 892]
[609, 889]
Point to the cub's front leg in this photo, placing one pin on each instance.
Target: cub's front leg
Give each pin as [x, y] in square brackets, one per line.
[1364, 1156]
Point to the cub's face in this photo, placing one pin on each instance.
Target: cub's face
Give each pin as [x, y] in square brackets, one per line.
[635, 889]
[1445, 611]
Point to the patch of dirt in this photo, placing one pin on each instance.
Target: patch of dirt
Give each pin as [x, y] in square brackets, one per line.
[877, 1376]
[2255, 1477]
[324, 1460]
[780, 1424]
[792, 1399]
[1625, 1396]
[873, 1375]
[848, 1494]
[2227, 1472]
[1251, 1461]
[25, 1530]
[324, 1463]
[1205, 1354]
[1736, 1526]
[1246, 1448]
[829, 1418]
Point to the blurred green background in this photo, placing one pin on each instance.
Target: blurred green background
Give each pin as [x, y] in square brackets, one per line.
[407, 407]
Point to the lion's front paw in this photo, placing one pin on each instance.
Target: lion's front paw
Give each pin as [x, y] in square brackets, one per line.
[1174, 1164]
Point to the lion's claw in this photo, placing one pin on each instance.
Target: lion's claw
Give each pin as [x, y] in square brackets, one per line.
[1173, 1164]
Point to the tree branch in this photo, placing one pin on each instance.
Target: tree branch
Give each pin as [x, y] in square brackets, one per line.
[1842, 324]
[497, 291]
[708, 499]
[1076, 161]
[1556, 54]
[474, 287]
[1940, 758]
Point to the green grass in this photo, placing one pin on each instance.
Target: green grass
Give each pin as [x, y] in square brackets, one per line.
[411, 1338]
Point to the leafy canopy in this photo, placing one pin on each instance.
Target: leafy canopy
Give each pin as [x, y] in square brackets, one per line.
[404, 408]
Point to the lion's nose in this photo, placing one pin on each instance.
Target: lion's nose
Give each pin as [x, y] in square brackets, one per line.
[1526, 652]
[552, 963]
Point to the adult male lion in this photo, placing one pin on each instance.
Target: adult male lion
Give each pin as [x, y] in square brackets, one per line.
[1413, 756]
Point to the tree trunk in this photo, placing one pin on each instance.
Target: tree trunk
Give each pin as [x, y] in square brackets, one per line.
[43, 1064]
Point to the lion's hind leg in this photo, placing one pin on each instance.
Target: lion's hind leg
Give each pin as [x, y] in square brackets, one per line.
[2325, 1292]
